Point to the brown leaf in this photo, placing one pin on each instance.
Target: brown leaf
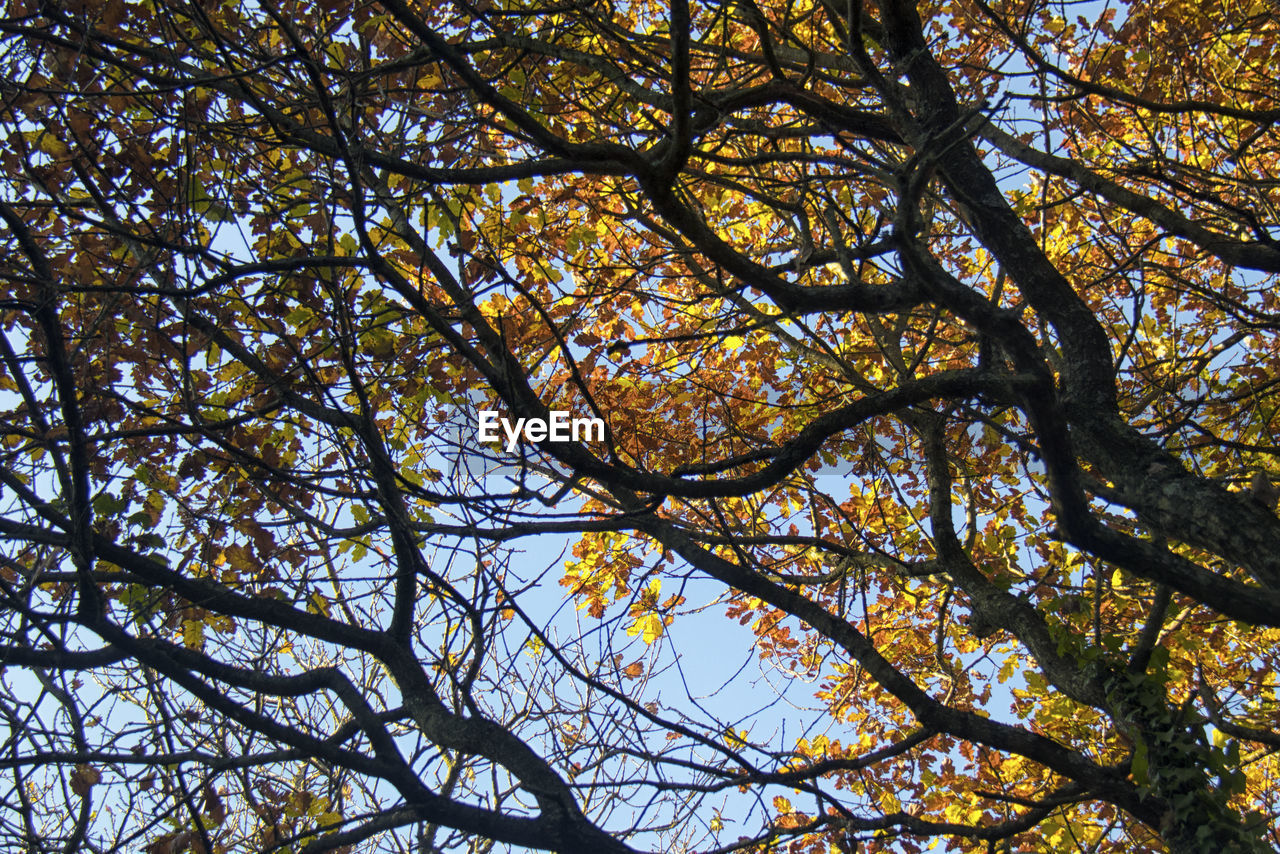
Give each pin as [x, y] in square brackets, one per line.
[112, 14]
[84, 778]
[634, 670]
[213, 806]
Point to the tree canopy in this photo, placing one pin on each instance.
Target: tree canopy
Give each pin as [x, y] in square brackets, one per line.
[935, 346]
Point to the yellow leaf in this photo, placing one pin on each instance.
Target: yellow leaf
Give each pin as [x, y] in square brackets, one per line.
[52, 146]
[649, 627]
[192, 634]
[317, 604]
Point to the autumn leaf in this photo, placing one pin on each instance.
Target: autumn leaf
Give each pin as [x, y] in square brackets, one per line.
[214, 807]
[935, 349]
[84, 778]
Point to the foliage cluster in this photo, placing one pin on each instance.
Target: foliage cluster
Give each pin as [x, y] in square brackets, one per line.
[937, 346]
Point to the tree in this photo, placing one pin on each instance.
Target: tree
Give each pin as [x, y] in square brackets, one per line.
[935, 343]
